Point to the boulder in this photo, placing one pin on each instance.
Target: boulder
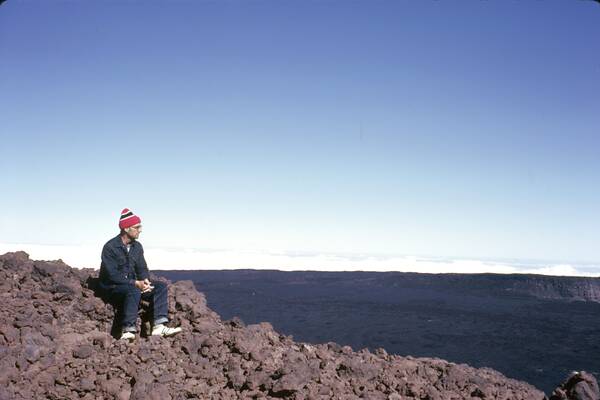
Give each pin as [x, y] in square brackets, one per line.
[578, 386]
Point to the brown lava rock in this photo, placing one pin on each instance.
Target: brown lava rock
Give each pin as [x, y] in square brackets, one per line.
[55, 344]
[578, 386]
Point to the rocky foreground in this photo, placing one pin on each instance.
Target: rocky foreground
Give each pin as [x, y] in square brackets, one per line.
[55, 343]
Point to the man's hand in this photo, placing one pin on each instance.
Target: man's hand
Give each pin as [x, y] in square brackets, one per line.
[143, 285]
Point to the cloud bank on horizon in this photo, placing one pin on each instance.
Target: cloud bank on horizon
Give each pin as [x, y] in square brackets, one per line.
[215, 259]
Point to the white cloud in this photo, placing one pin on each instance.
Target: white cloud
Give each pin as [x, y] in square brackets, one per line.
[84, 256]
[165, 258]
[559, 269]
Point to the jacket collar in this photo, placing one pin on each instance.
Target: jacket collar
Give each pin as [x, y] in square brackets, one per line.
[119, 243]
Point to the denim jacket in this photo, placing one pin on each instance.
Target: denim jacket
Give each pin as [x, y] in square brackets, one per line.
[121, 267]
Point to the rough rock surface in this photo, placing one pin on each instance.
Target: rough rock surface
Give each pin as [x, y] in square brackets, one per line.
[579, 386]
[55, 343]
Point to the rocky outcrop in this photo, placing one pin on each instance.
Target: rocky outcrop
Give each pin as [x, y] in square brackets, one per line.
[55, 343]
[578, 386]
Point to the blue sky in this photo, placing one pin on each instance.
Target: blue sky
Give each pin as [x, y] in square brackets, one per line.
[373, 128]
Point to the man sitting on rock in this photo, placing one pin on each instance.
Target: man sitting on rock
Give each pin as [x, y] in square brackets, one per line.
[124, 277]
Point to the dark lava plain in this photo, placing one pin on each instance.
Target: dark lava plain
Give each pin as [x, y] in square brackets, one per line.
[474, 319]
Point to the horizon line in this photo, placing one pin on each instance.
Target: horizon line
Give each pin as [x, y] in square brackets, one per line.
[186, 259]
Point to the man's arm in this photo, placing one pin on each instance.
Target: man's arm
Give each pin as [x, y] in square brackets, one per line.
[110, 265]
[141, 268]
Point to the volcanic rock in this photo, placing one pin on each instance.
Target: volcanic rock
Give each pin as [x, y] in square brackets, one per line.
[55, 343]
[578, 386]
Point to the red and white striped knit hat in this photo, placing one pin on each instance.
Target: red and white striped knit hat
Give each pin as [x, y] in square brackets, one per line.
[128, 219]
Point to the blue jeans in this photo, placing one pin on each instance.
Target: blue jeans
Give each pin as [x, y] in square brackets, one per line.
[128, 297]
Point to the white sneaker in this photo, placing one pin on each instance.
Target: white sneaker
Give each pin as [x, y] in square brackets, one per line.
[162, 330]
[128, 336]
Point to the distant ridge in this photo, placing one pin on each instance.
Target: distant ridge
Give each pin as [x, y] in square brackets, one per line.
[568, 288]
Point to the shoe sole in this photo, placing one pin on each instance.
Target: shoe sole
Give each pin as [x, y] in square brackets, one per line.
[166, 335]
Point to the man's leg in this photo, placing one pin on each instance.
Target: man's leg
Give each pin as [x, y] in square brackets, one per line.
[129, 296]
[160, 306]
[160, 310]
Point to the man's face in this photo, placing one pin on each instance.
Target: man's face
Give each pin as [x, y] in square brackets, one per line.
[134, 231]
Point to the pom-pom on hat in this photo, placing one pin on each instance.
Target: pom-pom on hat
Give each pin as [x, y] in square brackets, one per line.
[128, 219]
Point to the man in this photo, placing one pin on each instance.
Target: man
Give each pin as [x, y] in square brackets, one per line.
[124, 278]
